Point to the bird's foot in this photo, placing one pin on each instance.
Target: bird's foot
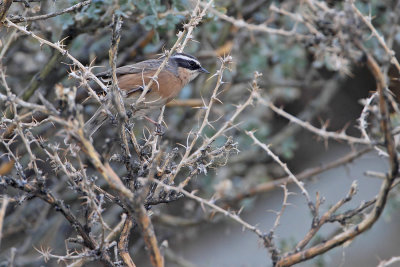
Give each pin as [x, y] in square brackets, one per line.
[160, 130]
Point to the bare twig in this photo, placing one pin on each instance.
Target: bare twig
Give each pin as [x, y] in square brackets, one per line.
[188, 28]
[105, 169]
[205, 119]
[280, 213]
[123, 243]
[86, 72]
[367, 21]
[272, 185]
[189, 158]
[285, 168]
[320, 132]
[3, 209]
[387, 183]
[147, 230]
[60, 206]
[240, 23]
[50, 15]
[116, 96]
[5, 5]
[319, 222]
[388, 262]
[235, 217]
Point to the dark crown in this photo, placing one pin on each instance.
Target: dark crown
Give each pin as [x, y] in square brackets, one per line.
[186, 61]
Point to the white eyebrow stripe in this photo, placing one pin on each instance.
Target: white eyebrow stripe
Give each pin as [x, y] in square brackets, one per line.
[186, 58]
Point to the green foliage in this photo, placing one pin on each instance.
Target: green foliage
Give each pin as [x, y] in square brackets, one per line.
[151, 10]
[147, 10]
[288, 147]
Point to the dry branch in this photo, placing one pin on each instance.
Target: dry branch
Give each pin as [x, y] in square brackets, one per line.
[179, 46]
[124, 242]
[3, 209]
[306, 174]
[147, 230]
[291, 176]
[73, 8]
[373, 216]
[5, 5]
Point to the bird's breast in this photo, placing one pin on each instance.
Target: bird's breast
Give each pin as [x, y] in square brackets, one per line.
[163, 90]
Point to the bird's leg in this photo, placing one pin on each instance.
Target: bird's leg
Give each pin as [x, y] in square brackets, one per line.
[159, 128]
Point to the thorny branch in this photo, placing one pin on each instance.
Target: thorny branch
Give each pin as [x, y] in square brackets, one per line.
[144, 169]
[375, 213]
[86, 72]
[73, 8]
[188, 29]
[306, 174]
[322, 132]
[310, 204]
[266, 240]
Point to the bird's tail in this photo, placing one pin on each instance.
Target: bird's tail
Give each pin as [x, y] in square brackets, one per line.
[94, 123]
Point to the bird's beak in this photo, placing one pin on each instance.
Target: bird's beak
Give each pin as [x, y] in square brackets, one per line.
[204, 70]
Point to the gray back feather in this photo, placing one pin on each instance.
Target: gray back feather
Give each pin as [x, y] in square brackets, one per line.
[144, 66]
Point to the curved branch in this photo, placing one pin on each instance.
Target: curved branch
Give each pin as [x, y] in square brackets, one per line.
[374, 215]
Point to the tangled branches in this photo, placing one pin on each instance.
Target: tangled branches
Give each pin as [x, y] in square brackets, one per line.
[109, 189]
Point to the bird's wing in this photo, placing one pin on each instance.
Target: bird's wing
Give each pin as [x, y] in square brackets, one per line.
[141, 67]
[137, 89]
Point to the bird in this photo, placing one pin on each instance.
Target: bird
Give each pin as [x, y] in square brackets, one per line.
[180, 69]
